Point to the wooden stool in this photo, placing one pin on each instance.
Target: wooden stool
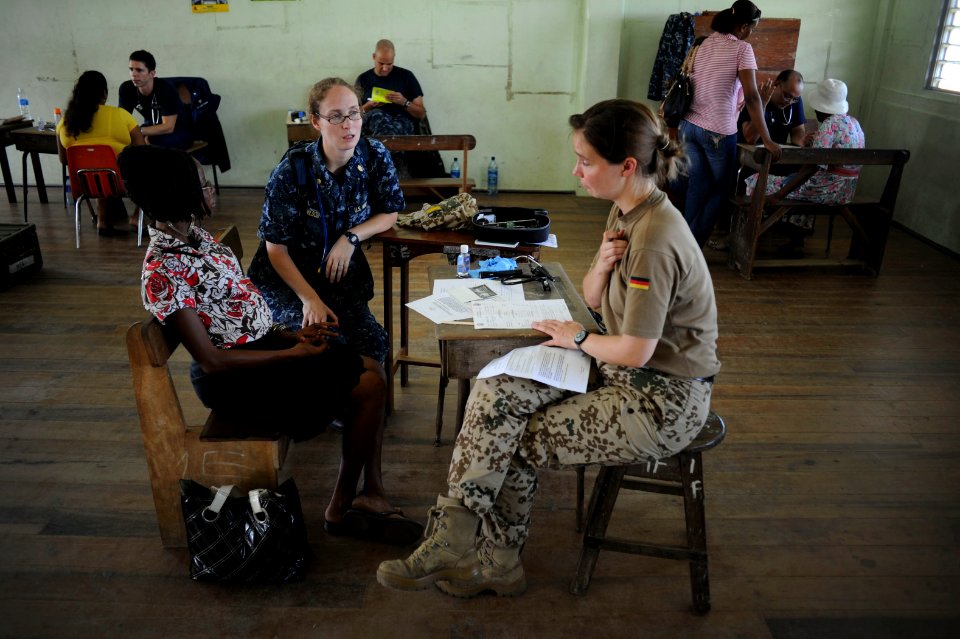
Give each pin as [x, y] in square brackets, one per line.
[679, 475]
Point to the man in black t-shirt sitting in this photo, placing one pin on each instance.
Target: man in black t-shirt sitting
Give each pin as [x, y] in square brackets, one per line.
[392, 98]
[165, 121]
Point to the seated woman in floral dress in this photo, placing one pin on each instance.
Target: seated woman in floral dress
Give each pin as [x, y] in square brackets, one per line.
[246, 366]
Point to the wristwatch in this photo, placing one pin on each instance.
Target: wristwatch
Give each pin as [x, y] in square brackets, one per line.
[352, 238]
[407, 103]
[580, 338]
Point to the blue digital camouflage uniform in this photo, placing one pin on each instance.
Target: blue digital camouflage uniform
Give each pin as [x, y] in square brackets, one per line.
[368, 186]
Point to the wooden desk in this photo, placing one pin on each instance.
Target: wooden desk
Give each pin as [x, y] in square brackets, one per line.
[400, 245]
[869, 218]
[32, 143]
[301, 132]
[464, 350]
[6, 141]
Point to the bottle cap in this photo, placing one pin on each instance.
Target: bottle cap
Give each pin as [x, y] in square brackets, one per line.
[57, 111]
[464, 248]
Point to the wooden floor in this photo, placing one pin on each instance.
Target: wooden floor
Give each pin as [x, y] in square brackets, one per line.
[833, 506]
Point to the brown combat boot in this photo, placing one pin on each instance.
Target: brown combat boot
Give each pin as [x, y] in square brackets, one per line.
[497, 569]
[448, 552]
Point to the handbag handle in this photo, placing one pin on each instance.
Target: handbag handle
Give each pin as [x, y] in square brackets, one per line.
[258, 512]
[218, 501]
[687, 66]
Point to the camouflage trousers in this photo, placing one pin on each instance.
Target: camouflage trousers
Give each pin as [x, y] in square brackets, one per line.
[513, 426]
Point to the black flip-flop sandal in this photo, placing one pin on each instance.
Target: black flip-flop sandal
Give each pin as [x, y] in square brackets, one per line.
[386, 528]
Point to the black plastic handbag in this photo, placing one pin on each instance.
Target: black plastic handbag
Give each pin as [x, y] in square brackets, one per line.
[258, 537]
[679, 96]
[678, 100]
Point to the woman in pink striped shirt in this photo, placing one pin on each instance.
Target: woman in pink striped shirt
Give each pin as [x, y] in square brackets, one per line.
[723, 64]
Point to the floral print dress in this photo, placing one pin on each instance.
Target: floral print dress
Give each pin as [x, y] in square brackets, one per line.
[830, 184]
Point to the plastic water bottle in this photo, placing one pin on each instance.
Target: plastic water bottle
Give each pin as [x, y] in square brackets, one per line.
[455, 169]
[463, 261]
[57, 116]
[492, 177]
[24, 103]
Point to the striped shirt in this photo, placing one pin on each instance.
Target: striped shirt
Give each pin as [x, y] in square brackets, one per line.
[716, 83]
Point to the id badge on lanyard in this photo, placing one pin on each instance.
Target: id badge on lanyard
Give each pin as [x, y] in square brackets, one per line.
[323, 224]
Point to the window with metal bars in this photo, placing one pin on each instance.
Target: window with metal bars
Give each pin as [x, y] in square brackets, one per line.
[945, 66]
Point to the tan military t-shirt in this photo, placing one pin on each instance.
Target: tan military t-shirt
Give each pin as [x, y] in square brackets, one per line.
[662, 290]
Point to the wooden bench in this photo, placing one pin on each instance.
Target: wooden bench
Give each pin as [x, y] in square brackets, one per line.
[869, 218]
[440, 187]
[221, 452]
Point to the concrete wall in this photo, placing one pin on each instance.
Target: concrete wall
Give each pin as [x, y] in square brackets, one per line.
[902, 113]
[507, 71]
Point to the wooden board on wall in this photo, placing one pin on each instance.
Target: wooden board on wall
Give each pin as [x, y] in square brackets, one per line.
[774, 42]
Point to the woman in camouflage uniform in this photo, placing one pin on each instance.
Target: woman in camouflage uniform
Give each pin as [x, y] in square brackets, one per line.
[656, 368]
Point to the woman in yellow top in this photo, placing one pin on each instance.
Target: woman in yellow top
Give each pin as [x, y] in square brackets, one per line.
[88, 120]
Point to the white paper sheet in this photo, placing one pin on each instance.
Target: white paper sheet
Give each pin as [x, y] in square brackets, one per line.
[440, 308]
[495, 314]
[559, 367]
[504, 293]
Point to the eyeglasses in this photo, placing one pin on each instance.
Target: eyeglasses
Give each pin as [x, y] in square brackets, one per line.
[789, 98]
[339, 118]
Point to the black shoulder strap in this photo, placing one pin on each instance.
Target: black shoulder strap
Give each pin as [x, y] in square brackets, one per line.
[301, 163]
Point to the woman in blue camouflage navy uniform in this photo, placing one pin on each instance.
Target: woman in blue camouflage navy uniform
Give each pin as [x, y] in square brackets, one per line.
[309, 265]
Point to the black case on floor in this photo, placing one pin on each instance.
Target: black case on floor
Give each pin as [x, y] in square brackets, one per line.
[19, 253]
[511, 224]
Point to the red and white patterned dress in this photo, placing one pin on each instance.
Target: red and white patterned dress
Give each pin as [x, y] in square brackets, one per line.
[205, 276]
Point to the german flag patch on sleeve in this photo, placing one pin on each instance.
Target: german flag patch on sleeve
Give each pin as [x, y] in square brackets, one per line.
[641, 283]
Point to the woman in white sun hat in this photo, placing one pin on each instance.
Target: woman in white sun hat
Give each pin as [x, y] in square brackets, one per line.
[833, 184]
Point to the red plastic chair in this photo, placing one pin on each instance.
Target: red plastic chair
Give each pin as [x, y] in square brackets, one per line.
[94, 174]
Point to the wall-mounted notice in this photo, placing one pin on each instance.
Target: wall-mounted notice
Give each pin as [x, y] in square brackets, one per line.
[209, 6]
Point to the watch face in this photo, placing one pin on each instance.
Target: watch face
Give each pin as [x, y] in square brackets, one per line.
[579, 337]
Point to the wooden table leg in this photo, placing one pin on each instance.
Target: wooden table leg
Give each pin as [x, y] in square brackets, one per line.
[404, 319]
[24, 174]
[441, 393]
[388, 322]
[38, 176]
[7, 176]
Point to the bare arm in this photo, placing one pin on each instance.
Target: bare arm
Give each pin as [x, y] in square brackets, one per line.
[416, 108]
[620, 350]
[754, 106]
[314, 310]
[167, 124]
[136, 136]
[595, 281]
[342, 250]
[798, 134]
[750, 133]
[213, 360]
